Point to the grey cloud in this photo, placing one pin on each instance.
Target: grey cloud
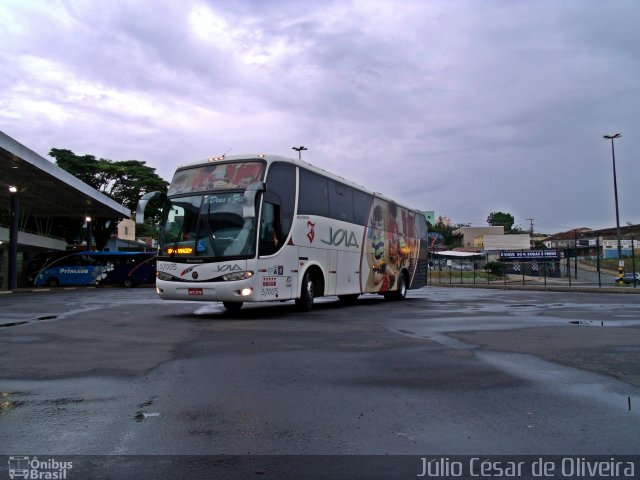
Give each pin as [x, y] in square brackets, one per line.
[462, 107]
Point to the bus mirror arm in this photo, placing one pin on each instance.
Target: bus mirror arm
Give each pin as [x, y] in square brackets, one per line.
[142, 204]
[249, 203]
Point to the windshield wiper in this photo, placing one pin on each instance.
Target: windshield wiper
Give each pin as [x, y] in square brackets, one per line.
[205, 219]
[175, 244]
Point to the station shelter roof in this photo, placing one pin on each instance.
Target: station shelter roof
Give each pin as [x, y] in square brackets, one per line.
[46, 190]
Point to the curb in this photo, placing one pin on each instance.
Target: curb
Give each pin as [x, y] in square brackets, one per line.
[542, 288]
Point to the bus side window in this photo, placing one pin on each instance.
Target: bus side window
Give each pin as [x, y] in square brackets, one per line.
[270, 232]
[281, 182]
[422, 227]
[314, 194]
[77, 260]
[340, 202]
[361, 206]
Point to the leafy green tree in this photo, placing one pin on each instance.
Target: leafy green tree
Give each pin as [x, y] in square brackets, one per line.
[497, 219]
[446, 230]
[123, 181]
[496, 268]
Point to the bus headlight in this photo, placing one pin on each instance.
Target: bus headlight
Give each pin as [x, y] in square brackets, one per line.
[230, 277]
[164, 276]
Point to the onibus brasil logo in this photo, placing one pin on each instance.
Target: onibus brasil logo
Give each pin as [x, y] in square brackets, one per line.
[34, 468]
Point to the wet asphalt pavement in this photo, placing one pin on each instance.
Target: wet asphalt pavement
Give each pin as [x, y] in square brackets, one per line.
[450, 371]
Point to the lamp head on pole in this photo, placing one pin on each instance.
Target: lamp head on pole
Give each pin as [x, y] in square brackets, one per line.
[299, 150]
[611, 137]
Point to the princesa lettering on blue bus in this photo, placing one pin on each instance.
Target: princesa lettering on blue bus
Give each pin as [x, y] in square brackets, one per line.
[74, 270]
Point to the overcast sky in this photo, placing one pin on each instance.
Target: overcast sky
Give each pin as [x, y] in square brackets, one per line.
[462, 107]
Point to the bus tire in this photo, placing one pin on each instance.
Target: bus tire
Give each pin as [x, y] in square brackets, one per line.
[305, 302]
[129, 282]
[53, 282]
[401, 293]
[232, 306]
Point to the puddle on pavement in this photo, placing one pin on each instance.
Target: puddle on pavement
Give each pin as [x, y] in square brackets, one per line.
[565, 380]
[606, 323]
[142, 416]
[24, 322]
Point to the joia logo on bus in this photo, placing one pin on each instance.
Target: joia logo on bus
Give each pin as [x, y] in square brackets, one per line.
[341, 236]
[216, 268]
[227, 268]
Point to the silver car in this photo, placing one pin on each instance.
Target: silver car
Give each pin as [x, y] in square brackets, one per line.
[630, 278]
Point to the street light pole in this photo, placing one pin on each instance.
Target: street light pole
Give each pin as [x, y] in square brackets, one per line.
[299, 150]
[89, 236]
[615, 192]
[13, 238]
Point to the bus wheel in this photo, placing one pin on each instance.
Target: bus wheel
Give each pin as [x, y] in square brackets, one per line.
[305, 302]
[401, 292]
[232, 306]
[53, 282]
[129, 282]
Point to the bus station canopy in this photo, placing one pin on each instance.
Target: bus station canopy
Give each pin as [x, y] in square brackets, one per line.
[46, 190]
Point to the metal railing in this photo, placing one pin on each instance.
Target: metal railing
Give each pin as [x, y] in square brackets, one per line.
[571, 270]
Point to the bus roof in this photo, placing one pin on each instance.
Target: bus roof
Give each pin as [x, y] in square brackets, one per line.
[301, 163]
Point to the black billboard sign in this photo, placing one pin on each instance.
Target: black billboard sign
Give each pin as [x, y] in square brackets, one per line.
[528, 255]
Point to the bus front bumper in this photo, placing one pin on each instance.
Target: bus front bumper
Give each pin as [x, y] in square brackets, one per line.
[240, 291]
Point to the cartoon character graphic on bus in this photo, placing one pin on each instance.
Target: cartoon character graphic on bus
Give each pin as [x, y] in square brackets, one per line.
[383, 277]
[391, 246]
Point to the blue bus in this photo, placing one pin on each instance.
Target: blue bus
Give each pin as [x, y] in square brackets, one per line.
[99, 268]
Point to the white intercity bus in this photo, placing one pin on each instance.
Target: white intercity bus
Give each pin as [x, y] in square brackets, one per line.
[258, 228]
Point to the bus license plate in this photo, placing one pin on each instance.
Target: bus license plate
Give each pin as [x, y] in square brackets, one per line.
[195, 291]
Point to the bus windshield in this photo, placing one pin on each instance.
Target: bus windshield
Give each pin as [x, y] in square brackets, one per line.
[210, 225]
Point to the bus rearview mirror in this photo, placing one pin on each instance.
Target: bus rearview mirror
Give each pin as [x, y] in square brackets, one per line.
[142, 204]
[249, 203]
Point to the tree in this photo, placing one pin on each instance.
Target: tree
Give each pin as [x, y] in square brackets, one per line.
[496, 268]
[446, 230]
[497, 219]
[124, 181]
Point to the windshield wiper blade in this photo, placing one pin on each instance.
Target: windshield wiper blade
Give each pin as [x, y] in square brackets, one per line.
[175, 244]
[205, 219]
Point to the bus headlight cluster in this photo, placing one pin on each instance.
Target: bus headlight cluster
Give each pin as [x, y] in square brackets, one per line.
[164, 276]
[230, 277]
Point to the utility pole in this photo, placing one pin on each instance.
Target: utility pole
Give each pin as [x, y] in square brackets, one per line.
[531, 226]
[615, 192]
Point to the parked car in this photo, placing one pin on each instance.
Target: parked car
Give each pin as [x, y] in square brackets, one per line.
[630, 278]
